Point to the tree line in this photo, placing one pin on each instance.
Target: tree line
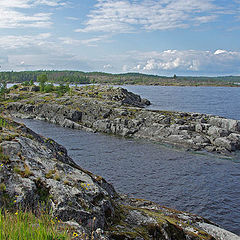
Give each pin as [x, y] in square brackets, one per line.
[52, 76]
[79, 77]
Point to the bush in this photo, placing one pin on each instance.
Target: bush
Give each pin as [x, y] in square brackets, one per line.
[49, 88]
[61, 89]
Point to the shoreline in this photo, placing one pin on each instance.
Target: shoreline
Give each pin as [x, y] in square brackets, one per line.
[143, 84]
[116, 111]
[43, 162]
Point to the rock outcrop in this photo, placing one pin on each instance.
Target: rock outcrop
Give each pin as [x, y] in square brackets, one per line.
[36, 170]
[116, 111]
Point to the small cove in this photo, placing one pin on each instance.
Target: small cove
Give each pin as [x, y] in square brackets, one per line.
[204, 184]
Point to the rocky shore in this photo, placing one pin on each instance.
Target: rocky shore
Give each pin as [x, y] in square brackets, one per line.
[35, 170]
[117, 111]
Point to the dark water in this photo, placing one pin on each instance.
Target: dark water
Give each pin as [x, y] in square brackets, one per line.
[222, 101]
[202, 184]
[206, 185]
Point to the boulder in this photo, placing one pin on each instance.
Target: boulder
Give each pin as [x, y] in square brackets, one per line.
[225, 143]
[217, 132]
[36, 171]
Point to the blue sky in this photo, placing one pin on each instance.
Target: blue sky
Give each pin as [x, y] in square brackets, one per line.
[164, 37]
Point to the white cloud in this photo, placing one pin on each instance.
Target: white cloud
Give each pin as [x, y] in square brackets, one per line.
[54, 55]
[188, 61]
[30, 3]
[12, 16]
[220, 51]
[51, 3]
[14, 19]
[125, 68]
[48, 61]
[107, 66]
[72, 18]
[15, 4]
[91, 42]
[14, 42]
[70, 41]
[120, 16]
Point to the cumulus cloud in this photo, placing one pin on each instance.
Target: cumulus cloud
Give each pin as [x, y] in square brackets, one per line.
[220, 51]
[188, 61]
[12, 16]
[125, 15]
[108, 66]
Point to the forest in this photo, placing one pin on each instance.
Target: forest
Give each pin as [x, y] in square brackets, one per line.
[79, 77]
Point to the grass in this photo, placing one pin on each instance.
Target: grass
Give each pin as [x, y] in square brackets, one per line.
[23, 225]
[3, 122]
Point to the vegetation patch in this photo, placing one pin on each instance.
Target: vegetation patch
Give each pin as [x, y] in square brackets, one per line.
[25, 225]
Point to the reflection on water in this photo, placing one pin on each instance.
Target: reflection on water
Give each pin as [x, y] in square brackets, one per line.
[202, 184]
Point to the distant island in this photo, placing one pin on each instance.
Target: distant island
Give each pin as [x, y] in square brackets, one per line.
[79, 77]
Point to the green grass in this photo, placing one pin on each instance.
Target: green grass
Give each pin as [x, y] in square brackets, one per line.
[3, 122]
[24, 225]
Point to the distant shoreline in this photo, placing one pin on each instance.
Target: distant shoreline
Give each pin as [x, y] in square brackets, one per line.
[149, 84]
[79, 77]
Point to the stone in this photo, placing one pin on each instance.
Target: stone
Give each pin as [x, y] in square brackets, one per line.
[218, 233]
[117, 111]
[201, 140]
[228, 124]
[34, 88]
[217, 132]
[225, 143]
[82, 200]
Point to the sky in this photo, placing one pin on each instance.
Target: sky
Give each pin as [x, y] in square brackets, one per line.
[163, 37]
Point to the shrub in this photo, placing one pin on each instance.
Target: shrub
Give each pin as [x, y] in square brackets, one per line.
[2, 187]
[49, 88]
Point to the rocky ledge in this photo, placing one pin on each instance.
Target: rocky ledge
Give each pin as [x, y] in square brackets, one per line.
[117, 111]
[36, 171]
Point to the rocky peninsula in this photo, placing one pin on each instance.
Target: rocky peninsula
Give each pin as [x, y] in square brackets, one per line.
[116, 111]
[37, 171]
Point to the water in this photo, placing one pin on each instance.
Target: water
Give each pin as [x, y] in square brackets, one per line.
[221, 101]
[206, 185]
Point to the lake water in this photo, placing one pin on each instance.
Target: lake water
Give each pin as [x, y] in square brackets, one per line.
[222, 101]
[204, 184]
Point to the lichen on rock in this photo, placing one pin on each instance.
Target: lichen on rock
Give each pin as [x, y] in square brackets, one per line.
[35, 170]
[119, 112]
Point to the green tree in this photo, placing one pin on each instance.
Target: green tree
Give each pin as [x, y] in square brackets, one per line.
[42, 79]
[49, 88]
[31, 82]
[3, 89]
